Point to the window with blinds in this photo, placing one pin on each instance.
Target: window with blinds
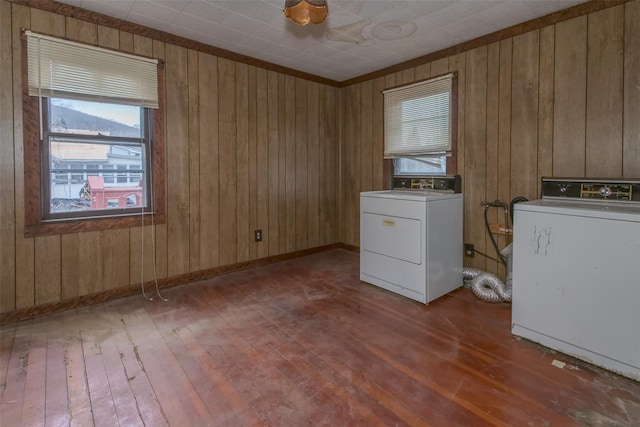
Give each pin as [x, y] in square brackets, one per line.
[96, 115]
[63, 69]
[417, 121]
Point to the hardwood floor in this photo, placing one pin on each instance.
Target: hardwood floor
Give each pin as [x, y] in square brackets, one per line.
[302, 342]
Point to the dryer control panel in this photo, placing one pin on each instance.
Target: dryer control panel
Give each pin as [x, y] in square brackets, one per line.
[447, 183]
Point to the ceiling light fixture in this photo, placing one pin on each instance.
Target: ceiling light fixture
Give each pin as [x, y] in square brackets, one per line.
[304, 11]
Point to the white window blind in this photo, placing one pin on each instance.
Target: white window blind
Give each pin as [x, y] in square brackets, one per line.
[63, 69]
[417, 119]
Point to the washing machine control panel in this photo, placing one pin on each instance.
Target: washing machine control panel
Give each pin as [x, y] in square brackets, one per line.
[623, 190]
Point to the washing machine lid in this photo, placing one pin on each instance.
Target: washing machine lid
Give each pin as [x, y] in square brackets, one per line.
[600, 209]
[412, 195]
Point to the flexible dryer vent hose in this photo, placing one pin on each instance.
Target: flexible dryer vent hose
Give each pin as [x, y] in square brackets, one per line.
[486, 286]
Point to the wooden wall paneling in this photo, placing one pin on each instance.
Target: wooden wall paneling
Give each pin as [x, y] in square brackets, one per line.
[524, 114]
[323, 147]
[348, 172]
[631, 131]
[227, 160]
[357, 161]
[209, 171]
[604, 92]
[128, 45]
[475, 126]
[569, 97]
[177, 159]
[140, 255]
[290, 162]
[141, 45]
[89, 263]
[398, 79]
[8, 234]
[283, 149]
[301, 177]
[421, 72]
[545, 105]
[359, 165]
[108, 37]
[114, 256]
[377, 131]
[262, 153]
[161, 230]
[68, 256]
[82, 31]
[439, 67]
[340, 156]
[49, 263]
[366, 133]
[495, 215]
[458, 64]
[252, 164]
[504, 122]
[48, 274]
[242, 162]
[331, 165]
[408, 76]
[387, 164]
[193, 78]
[25, 247]
[273, 233]
[141, 249]
[252, 132]
[313, 165]
[47, 23]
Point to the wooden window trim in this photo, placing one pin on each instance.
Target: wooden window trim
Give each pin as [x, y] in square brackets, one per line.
[34, 224]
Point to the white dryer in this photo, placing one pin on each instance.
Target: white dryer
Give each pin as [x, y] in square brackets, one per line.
[576, 271]
[411, 239]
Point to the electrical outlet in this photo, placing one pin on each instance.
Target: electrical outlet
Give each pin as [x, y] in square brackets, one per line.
[469, 250]
[257, 235]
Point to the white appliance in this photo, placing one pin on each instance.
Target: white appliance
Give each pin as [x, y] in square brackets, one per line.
[576, 271]
[411, 240]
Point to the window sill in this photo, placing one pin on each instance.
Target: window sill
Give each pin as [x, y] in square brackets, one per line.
[51, 228]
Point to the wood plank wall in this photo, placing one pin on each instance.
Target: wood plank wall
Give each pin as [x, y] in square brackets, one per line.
[246, 148]
[563, 100]
[252, 148]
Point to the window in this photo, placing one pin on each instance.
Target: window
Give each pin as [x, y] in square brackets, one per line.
[92, 158]
[76, 135]
[419, 121]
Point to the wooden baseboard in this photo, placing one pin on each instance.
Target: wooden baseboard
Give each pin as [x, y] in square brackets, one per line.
[101, 297]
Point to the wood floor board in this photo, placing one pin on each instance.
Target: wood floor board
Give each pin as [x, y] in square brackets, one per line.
[77, 388]
[33, 404]
[15, 379]
[179, 401]
[301, 342]
[278, 350]
[56, 403]
[7, 335]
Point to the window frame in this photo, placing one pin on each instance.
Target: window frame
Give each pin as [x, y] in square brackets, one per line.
[451, 160]
[35, 223]
[46, 172]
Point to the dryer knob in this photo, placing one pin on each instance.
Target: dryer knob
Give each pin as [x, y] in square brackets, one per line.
[605, 191]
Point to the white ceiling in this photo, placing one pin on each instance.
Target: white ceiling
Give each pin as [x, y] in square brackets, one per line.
[358, 37]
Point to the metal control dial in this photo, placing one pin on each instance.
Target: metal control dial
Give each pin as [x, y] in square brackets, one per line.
[605, 191]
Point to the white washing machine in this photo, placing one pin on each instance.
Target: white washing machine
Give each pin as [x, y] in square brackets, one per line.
[576, 271]
[411, 239]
